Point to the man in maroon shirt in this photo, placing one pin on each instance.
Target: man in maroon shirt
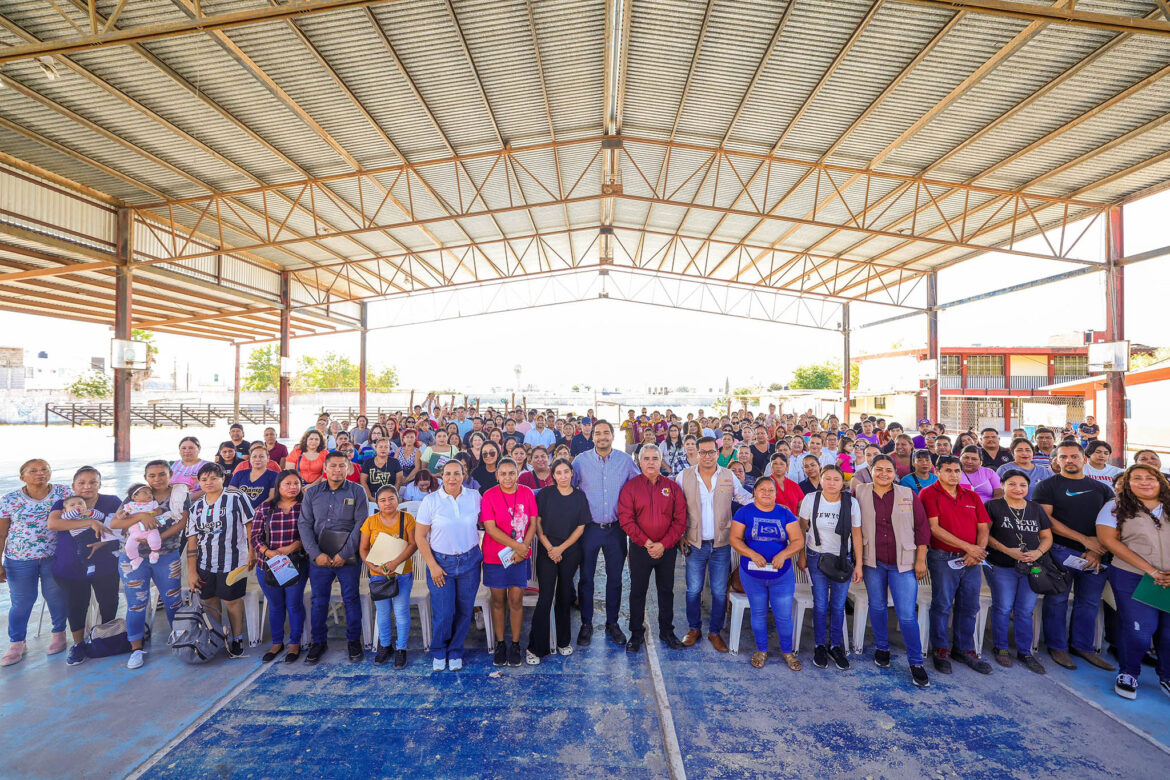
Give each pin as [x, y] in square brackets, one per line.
[653, 513]
[959, 528]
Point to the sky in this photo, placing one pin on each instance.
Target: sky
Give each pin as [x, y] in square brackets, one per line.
[611, 344]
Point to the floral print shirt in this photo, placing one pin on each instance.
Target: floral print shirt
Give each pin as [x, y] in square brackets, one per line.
[29, 537]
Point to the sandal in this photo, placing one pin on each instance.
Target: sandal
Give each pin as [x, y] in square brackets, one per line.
[759, 658]
[792, 661]
[293, 655]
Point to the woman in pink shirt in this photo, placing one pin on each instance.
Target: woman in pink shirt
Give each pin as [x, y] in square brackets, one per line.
[508, 514]
[978, 477]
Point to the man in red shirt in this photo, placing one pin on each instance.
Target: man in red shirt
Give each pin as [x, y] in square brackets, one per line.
[653, 513]
[959, 528]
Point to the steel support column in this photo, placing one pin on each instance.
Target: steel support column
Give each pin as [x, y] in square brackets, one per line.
[846, 370]
[123, 280]
[933, 410]
[285, 311]
[1115, 331]
[363, 368]
[236, 390]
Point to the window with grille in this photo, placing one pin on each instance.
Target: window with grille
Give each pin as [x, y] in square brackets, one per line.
[985, 365]
[1071, 365]
[950, 365]
[879, 402]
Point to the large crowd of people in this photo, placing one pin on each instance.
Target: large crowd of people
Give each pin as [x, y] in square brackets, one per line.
[753, 503]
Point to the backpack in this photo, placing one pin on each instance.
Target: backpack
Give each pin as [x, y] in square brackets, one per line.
[109, 639]
[196, 633]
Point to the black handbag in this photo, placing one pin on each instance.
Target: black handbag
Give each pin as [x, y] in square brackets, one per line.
[300, 561]
[838, 568]
[381, 590]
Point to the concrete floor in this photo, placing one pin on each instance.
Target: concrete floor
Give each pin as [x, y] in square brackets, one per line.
[589, 715]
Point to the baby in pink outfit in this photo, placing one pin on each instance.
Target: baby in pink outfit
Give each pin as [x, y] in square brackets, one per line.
[140, 501]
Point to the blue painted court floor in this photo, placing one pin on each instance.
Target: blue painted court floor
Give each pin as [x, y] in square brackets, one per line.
[591, 714]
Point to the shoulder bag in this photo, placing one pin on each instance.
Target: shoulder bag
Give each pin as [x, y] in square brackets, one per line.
[380, 590]
[1045, 576]
[299, 559]
[838, 568]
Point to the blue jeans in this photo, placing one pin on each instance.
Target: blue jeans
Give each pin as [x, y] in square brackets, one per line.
[612, 540]
[284, 602]
[956, 589]
[903, 587]
[702, 561]
[828, 604]
[399, 607]
[451, 605]
[1012, 603]
[22, 592]
[1086, 590]
[1138, 625]
[321, 578]
[165, 574]
[776, 593]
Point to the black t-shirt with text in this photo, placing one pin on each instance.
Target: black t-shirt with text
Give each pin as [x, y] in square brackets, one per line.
[380, 476]
[1010, 526]
[1074, 502]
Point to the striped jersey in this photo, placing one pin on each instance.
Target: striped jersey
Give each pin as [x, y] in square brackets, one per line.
[219, 531]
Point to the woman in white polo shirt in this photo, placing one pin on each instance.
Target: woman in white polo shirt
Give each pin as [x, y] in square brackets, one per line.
[445, 531]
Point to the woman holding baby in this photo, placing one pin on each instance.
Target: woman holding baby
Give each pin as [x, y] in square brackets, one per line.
[152, 521]
[86, 554]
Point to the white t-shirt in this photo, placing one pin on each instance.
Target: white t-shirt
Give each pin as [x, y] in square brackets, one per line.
[827, 514]
[1105, 475]
[1106, 518]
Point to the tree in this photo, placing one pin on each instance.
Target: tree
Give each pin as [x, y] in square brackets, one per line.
[775, 387]
[823, 376]
[1147, 359]
[92, 384]
[333, 371]
[262, 371]
[382, 381]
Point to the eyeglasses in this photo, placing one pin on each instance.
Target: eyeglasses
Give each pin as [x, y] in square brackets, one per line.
[707, 452]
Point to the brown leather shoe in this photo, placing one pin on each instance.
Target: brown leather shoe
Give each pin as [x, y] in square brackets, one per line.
[692, 637]
[717, 642]
[1062, 659]
[1095, 660]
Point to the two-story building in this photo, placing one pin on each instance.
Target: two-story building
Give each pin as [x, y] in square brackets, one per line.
[996, 387]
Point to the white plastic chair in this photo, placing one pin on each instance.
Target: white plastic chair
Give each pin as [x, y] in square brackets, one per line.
[802, 600]
[420, 597]
[253, 613]
[410, 507]
[860, 598]
[483, 600]
[1107, 597]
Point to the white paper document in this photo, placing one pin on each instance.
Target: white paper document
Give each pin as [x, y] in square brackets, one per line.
[385, 549]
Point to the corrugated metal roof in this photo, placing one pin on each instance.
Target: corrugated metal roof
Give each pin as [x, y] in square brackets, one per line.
[997, 102]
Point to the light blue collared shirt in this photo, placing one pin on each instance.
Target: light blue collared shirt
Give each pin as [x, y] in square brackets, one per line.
[602, 480]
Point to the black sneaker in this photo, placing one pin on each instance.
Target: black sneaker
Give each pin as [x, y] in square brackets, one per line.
[672, 641]
[316, 650]
[235, 649]
[882, 658]
[382, 656]
[500, 656]
[399, 659]
[1032, 663]
[615, 634]
[585, 636]
[941, 661]
[355, 651]
[918, 674]
[838, 656]
[820, 656]
[975, 662]
[515, 655]
[1126, 686]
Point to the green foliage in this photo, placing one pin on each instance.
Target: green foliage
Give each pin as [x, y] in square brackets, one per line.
[262, 371]
[1147, 359]
[823, 376]
[138, 378]
[775, 387]
[333, 371]
[382, 381]
[92, 384]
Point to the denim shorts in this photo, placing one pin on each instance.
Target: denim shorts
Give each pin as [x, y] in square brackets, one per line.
[495, 575]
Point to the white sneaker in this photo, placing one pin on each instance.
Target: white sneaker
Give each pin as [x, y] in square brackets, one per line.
[566, 650]
[438, 664]
[135, 660]
[532, 659]
[456, 664]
